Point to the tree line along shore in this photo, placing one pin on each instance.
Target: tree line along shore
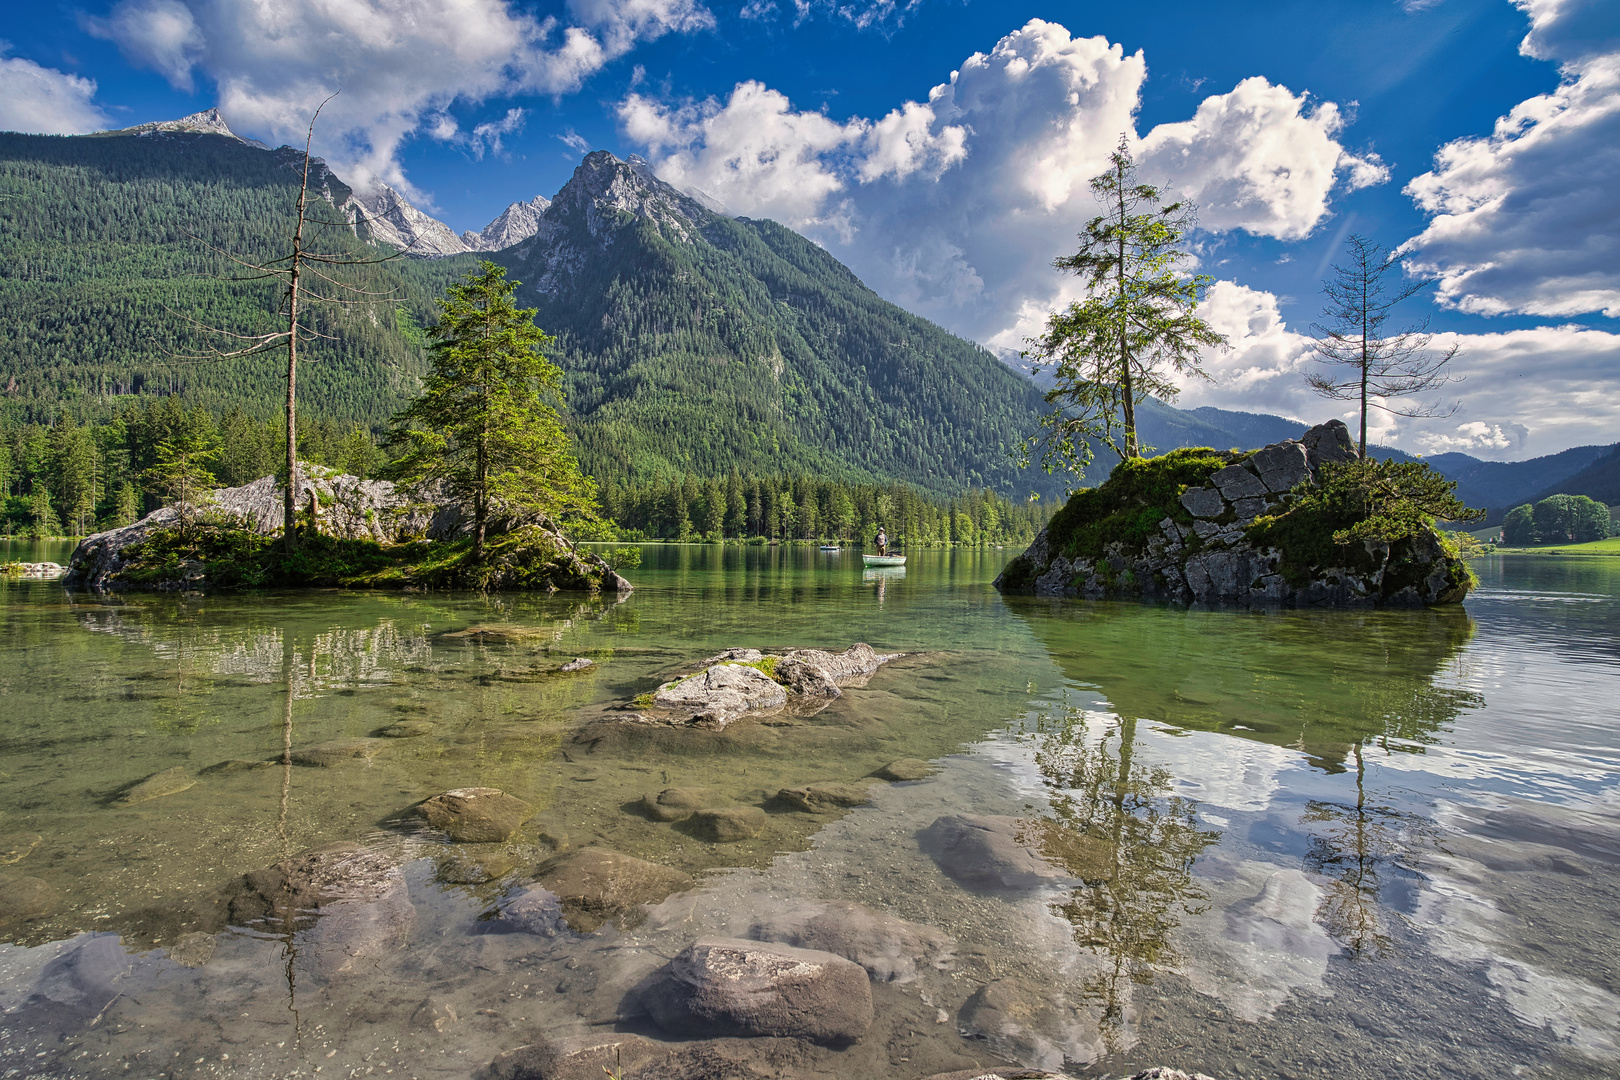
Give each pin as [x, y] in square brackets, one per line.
[71, 478]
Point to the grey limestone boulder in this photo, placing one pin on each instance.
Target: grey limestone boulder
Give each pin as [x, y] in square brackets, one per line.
[731, 986]
[1203, 502]
[889, 948]
[1235, 482]
[477, 815]
[1030, 1024]
[988, 853]
[719, 694]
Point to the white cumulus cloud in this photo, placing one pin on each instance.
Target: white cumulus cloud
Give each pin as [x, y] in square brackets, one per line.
[44, 101]
[400, 64]
[1527, 219]
[1522, 392]
[955, 206]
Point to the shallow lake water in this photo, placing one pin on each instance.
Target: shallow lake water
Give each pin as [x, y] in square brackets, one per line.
[1283, 843]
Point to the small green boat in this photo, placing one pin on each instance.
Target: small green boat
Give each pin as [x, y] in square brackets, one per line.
[884, 560]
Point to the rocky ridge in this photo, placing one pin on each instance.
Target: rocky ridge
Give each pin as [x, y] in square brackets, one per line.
[1208, 555]
[513, 225]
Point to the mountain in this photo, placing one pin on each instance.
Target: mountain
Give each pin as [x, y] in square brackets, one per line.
[1600, 480]
[698, 342]
[393, 220]
[515, 224]
[110, 243]
[208, 122]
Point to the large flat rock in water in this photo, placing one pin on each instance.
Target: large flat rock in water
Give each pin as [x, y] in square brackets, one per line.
[889, 948]
[729, 986]
[595, 884]
[988, 853]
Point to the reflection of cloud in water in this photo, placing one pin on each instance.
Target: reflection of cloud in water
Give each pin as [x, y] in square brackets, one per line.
[1218, 770]
[1257, 941]
[1466, 925]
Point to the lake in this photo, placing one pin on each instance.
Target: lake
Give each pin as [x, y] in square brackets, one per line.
[1281, 843]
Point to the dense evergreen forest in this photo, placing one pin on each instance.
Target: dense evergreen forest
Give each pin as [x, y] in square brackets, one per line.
[73, 478]
[108, 260]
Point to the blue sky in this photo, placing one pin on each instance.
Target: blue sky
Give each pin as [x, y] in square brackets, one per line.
[1292, 124]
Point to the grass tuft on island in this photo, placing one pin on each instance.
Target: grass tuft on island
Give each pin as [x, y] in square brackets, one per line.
[223, 557]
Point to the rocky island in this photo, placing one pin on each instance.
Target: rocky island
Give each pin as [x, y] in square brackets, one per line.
[354, 532]
[1301, 522]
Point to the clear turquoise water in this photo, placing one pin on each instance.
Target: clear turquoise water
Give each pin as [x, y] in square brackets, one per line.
[1307, 843]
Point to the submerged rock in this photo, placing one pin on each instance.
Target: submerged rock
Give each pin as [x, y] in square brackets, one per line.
[906, 769]
[679, 803]
[1205, 550]
[476, 815]
[534, 909]
[475, 864]
[336, 752]
[727, 824]
[1028, 1023]
[825, 798]
[168, 782]
[889, 948]
[729, 986]
[194, 950]
[578, 663]
[406, 729]
[347, 903]
[634, 1057]
[595, 884]
[235, 765]
[988, 853]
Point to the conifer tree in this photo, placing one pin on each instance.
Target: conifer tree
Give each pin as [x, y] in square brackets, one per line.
[485, 427]
[1375, 366]
[1135, 329]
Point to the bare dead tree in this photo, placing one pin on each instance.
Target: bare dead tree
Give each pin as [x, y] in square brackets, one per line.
[308, 278]
[1367, 363]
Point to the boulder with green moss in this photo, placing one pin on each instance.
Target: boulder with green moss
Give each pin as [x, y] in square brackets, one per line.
[352, 532]
[1301, 522]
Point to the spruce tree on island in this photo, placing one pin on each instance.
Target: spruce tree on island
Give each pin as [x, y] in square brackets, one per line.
[1136, 328]
[486, 427]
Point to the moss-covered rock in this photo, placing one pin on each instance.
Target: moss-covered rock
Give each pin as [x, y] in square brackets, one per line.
[1270, 526]
[361, 534]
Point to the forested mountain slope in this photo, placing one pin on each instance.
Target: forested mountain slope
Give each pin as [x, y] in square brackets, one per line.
[106, 252]
[697, 342]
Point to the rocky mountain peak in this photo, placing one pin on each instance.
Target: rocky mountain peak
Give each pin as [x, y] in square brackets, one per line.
[391, 219]
[207, 122]
[604, 186]
[515, 224]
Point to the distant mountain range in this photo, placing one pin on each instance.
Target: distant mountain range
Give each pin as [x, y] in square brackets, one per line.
[693, 341]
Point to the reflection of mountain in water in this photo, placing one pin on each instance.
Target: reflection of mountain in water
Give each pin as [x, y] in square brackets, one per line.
[1320, 682]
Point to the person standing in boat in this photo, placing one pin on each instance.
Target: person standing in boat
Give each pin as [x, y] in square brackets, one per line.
[882, 541]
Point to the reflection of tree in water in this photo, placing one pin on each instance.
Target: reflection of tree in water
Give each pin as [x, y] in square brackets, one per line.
[1358, 850]
[1130, 843]
[1319, 682]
